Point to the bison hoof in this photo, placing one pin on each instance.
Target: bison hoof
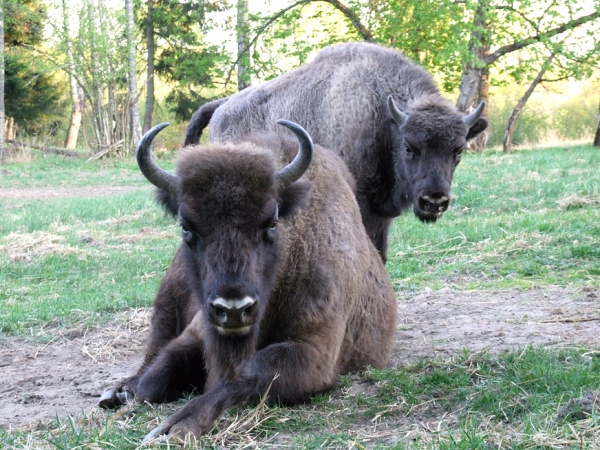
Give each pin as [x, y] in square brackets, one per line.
[113, 398]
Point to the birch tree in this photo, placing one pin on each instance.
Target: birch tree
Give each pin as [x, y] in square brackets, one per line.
[77, 96]
[136, 130]
[243, 44]
[150, 48]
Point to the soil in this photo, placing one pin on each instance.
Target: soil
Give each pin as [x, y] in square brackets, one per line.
[68, 374]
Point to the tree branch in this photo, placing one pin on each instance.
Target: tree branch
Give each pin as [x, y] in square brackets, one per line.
[350, 15]
[492, 57]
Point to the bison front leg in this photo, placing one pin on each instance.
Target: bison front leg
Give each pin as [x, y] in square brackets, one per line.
[177, 367]
[291, 372]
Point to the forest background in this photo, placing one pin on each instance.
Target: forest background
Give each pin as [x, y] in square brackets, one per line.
[90, 76]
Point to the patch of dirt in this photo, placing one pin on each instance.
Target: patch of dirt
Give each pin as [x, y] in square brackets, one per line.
[441, 324]
[68, 375]
[59, 192]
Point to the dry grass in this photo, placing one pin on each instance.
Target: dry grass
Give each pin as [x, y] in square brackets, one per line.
[122, 336]
[23, 247]
[577, 201]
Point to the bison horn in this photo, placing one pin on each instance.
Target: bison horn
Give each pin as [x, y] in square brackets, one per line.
[155, 175]
[399, 116]
[474, 116]
[294, 170]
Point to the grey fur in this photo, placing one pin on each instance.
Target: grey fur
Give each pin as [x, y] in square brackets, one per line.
[341, 98]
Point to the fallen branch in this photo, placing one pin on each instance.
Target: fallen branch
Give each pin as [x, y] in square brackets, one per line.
[106, 151]
[53, 150]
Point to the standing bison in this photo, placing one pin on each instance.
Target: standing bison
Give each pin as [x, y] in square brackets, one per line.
[275, 283]
[377, 110]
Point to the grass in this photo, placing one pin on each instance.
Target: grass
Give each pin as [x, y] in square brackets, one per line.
[517, 220]
[476, 401]
[522, 220]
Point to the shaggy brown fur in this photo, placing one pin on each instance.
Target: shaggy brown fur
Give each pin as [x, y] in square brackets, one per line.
[326, 304]
[340, 99]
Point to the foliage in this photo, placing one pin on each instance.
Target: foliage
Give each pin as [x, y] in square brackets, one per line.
[428, 32]
[184, 59]
[23, 22]
[32, 92]
[34, 95]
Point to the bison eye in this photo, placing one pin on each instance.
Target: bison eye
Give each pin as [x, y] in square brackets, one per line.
[410, 150]
[188, 236]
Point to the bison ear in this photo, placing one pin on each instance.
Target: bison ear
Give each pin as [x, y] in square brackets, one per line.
[477, 128]
[294, 197]
[168, 201]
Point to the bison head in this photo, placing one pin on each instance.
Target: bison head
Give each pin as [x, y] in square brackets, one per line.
[432, 138]
[229, 199]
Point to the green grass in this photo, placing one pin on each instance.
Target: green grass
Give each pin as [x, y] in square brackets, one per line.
[522, 220]
[52, 170]
[64, 256]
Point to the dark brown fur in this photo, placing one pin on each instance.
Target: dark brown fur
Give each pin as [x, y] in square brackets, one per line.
[340, 99]
[326, 304]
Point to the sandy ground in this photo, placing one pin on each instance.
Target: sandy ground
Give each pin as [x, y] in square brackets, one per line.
[67, 375]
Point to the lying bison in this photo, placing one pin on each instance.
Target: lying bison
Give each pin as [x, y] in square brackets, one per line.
[275, 283]
[376, 109]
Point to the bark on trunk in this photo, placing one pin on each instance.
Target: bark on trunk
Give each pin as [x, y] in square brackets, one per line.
[136, 129]
[243, 44]
[77, 97]
[76, 115]
[10, 129]
[474, 83]
[474, 70]
[149, 111]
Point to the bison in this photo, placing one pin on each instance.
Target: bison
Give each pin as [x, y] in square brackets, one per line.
[276, 284]
[376, 109]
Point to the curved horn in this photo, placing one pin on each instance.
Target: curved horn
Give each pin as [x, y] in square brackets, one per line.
[154, 174]
[399, 116]
[474, 116]
[294, 170]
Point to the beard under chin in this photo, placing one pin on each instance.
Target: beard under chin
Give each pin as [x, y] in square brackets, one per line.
[424, 216]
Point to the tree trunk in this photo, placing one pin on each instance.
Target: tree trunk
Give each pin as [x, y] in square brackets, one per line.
[514, 115]
[243, 45]
[150, 71]
[77, 97]
[473, 70]
[78, 100]
[597, 137]
[136, 129]
[474, 83]
[10, 129]
[2, 109]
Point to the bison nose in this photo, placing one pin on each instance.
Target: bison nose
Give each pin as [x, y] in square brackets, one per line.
[435, 203]
[233, 315]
